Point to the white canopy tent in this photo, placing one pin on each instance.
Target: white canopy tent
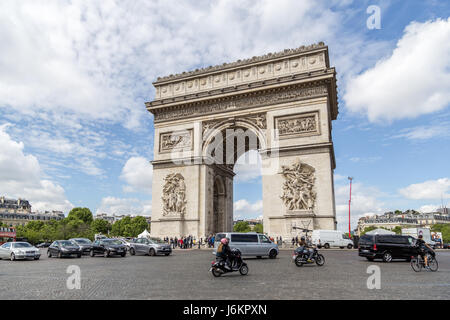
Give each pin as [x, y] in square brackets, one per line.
[380, 231]
[144, 234]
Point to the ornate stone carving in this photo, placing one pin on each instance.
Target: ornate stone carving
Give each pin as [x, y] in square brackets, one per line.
[175, 140]
[298, 125]
[258, 120]
[174, 195]
[298, 188]
[268, 97]
[284, 53]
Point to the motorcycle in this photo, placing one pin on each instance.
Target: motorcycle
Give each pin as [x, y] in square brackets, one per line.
[237, 264]
[300, 257]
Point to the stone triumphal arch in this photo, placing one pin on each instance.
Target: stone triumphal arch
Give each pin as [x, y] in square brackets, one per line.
[281, 104]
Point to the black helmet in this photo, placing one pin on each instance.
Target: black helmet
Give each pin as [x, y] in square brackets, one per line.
[302, 238]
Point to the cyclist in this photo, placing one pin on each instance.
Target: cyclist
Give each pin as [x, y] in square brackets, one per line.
[424, 248]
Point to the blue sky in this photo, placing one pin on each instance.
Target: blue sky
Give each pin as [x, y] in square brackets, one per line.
[74, 77]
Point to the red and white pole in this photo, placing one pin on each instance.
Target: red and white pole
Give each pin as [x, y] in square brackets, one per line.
[349, 203]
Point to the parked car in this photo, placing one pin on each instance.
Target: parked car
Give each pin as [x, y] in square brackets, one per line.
[19, 250]
[152, 247]
[249, 244]
[44, 245]
[108, 247]
[64, 248]
[84, 243]
[331, 238]
[386, 247]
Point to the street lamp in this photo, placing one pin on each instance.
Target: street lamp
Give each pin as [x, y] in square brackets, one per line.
[349, 203]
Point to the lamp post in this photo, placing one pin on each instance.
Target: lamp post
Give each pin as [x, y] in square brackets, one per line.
[349, 203]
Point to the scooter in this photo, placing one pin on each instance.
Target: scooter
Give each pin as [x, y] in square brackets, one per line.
[218, 266]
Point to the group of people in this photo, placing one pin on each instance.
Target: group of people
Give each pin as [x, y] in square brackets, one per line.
[182, 242]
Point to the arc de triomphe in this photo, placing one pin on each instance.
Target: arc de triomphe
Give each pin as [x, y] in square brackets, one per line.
[282, 105]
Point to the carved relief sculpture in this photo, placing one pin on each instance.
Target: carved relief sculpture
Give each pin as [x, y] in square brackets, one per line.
[297, 125]
[298, 188]
[174, 195]
[175, 140]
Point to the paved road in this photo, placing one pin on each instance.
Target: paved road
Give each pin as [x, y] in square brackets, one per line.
[184, 275]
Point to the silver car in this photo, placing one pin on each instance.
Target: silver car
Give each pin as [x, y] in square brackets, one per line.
[250, 244]
[19, 251]
[84, 243]
[152, 247]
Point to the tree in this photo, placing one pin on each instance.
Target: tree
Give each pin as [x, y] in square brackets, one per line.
[397, 230]
[241, 226]
[258, 228]
[100, 226]
[83, 214]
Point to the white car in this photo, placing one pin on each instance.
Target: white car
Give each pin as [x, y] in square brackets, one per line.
[19, 251]
[331, 238]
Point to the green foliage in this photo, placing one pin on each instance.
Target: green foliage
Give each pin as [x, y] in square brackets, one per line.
[129, 227]
[258, 228]
[241, 226]
[83, 214]
[370, 228]
[444, 229]
[398, 212]
[100, 226]
[397, 230]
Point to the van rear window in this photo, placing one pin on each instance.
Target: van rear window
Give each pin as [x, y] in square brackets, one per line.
[366, 239]
[244, 238]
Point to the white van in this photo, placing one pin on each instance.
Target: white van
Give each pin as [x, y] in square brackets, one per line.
[250, 244]
[331, 238]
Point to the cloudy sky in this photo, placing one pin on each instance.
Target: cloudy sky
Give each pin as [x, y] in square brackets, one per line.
[74, 76]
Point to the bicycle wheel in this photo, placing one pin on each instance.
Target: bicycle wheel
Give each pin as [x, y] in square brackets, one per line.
[433, 264]
[416, 265]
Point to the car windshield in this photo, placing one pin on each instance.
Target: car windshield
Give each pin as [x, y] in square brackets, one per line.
[112, 241]
[83, 241]
[156, 240]
[66, 243]
[22, 245]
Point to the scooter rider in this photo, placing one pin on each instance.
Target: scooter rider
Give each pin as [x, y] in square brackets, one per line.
[224, 252]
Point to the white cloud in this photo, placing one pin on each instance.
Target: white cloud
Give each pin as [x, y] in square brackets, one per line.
[244, 209]
[428, 208]
[248, 167]
[431, 189]
[113, 205]
[365, 201]
[414, 80]
[425, 132]
[21, 177]
[138, 173]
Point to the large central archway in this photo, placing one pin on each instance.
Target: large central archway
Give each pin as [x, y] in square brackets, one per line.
[281, 105]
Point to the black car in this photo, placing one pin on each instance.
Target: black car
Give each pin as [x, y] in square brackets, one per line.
[108, 247]
[63, 248]
[386, 247]
[84, 244]
[43, 245]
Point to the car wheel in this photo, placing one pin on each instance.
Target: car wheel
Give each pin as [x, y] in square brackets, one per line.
[166, 254]
[349, 246]
[37, 258]
[132, 252]
[123, 254]
[49, 254]
[152, 252]
[273, 254]
[13, 257]
[341, 247]
[387, 256]
[327, 246]
[91, 253]
[79, 255]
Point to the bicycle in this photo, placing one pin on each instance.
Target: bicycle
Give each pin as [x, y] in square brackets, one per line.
[417, 263]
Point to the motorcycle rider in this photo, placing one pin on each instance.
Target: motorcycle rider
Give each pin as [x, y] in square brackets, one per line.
[223, 252]
[305, 248]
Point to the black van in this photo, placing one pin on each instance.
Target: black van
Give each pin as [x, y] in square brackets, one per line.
[386, 247]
